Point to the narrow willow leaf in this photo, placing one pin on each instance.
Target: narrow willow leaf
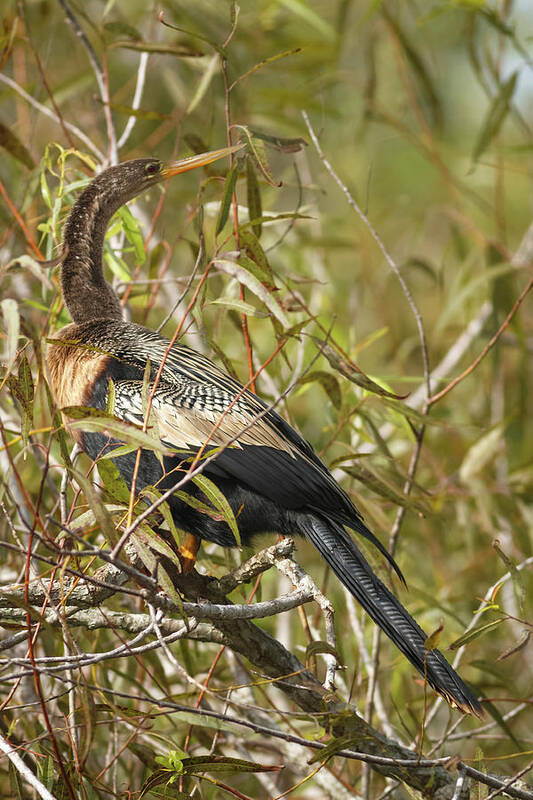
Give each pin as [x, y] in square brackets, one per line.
[256, 150]
[495, 116]
[14, 146]
[149, 545]
[227, 197]
[113, 482]
[117, 265]
[196, 764]
[516, 576]
[317, 647]
[248, 280]
[282, 144]
[249, 242]
[238, 305]
[204, 83]
[17, 790]
[220, 502]
[258, 270]
[379, 486]
[133, 233]
[157, 778]
[266, 61]
[111, 398]
[334, 746]
[180, 50]
[329, 383]
[151, 494]
[419, 69]
[517, 646]
[307, 14]
[352, 372]
[139, 113]
[432, 641]
[10, 313]
[253, 194]
[481, 453]
[471, 635]
[268, 219]
[122, 29]
[46, 772]
[86, 418]
[25, 383]
[102, 515]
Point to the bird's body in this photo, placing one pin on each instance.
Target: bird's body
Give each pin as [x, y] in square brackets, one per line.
[271, 477]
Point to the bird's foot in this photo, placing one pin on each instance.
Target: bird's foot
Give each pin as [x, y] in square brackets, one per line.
[187, 553]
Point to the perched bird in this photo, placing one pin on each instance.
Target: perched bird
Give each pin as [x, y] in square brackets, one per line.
[271, 477]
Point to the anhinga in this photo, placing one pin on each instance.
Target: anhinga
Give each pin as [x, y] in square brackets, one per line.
[272, 478]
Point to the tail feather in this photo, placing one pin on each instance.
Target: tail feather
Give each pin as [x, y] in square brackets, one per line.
[343, 556]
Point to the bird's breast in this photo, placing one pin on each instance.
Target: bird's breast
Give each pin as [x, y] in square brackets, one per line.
[74, 368]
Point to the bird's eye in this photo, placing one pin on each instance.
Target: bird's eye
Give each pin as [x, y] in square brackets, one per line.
[153, 168]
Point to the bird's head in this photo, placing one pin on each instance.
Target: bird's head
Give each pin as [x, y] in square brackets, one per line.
[125, 181]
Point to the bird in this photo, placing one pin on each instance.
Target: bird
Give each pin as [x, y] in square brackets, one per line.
[271, 477]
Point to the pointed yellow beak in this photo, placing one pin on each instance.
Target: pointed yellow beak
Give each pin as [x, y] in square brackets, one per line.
[193, 162]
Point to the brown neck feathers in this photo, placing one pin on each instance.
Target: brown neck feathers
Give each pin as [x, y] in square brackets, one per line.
[86, 293]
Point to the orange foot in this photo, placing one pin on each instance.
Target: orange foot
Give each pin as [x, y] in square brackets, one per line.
[187, 553]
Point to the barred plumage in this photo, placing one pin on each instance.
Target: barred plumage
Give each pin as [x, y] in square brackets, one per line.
[271, 477]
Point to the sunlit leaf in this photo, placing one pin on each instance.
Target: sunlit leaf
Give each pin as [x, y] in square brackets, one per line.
[475, 633]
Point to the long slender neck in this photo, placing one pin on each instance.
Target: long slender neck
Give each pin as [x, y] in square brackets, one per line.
[87, 295]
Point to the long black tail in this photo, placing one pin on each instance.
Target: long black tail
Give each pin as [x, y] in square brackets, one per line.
[347, 562]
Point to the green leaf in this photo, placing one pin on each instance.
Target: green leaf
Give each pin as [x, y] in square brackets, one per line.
[377, 485]
[196, 764]
[329, 383]
[101, 513]
[10, 313]
[180, 50]
[139, 113]
[249, 242]
[113, 481]
[266, 61]
[227, 197]
[25, 385]
[352, 371]
[204, 83]
[149, 546]
[238, 305]
[495, 117]
[133, 233]
[14, 146]
[122, 29]
[257, 151]
[471, 635]
[281, 143]
[316, 647]
[87, 418]
[218, 499]
[245, 277]
[255, 209]
[46, 772]
[151, 494]
[481, 453]
[308, 15]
